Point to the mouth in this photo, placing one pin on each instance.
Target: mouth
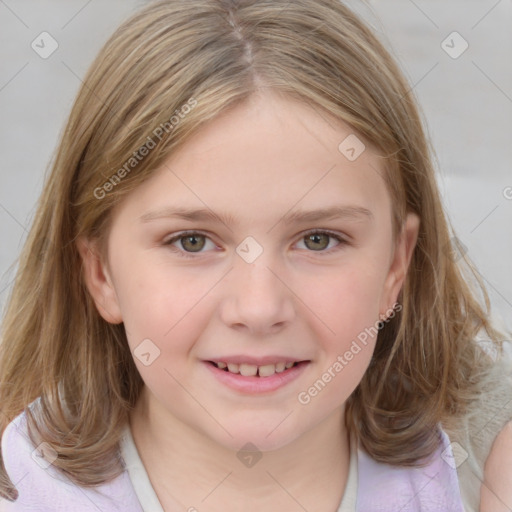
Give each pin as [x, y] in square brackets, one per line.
[252, 379]
[252, 370]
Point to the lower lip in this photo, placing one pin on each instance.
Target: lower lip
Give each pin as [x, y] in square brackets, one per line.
[256, 385]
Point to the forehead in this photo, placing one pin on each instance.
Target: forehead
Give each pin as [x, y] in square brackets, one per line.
[266, 157]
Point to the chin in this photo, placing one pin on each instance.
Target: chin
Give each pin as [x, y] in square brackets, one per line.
[262, 437]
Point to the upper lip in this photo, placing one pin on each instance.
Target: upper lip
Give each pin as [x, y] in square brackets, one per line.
[257, 361]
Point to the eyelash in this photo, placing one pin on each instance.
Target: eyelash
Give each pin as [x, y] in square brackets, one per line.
[185, 254]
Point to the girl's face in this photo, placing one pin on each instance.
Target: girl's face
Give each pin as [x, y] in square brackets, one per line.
[265, 275]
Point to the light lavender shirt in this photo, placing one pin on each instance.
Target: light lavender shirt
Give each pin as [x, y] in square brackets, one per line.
[380, 487]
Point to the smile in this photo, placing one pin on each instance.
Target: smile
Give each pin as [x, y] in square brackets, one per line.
[255, 379]
[251, 370]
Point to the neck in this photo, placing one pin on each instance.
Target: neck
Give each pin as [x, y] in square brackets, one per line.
[309, 472]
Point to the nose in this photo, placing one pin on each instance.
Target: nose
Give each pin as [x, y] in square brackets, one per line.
[257, 297]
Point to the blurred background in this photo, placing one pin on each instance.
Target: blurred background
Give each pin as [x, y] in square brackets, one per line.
[457, 55]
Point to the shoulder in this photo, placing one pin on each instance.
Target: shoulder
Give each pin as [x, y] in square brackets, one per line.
[42, 488]
[496, 489]
[24, 465]
[17, 450]
[478, 436]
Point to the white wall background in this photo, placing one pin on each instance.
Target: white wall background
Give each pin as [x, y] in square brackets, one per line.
[467, 103]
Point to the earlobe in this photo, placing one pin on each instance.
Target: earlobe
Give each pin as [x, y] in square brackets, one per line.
[98, 281]
[402, 256]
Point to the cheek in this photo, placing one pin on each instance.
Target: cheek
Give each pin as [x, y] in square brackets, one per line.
[347, 304]
[346, 298]
[348, 308]
[156, 298]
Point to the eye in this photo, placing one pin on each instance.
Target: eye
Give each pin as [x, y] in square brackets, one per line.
[190, 242]
[186, 243]
[318, 241]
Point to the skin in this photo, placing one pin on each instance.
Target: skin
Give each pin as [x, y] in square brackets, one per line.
[257, 162]
[496, 489]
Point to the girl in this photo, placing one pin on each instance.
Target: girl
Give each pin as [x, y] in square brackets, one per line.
[239, 290]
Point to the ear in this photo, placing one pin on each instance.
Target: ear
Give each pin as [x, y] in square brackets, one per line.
[98, 281]
[404, 248]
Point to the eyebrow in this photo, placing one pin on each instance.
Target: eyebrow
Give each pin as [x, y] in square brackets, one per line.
[299, 216]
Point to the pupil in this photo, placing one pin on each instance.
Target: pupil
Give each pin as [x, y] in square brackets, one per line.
[316, 239]
[192, 239]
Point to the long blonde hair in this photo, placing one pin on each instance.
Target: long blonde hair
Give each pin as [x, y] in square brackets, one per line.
[213, 55]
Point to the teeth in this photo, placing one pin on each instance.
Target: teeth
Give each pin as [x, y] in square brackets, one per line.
[233, 368]
[248, 370]
[251, 370]
[267, 370]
